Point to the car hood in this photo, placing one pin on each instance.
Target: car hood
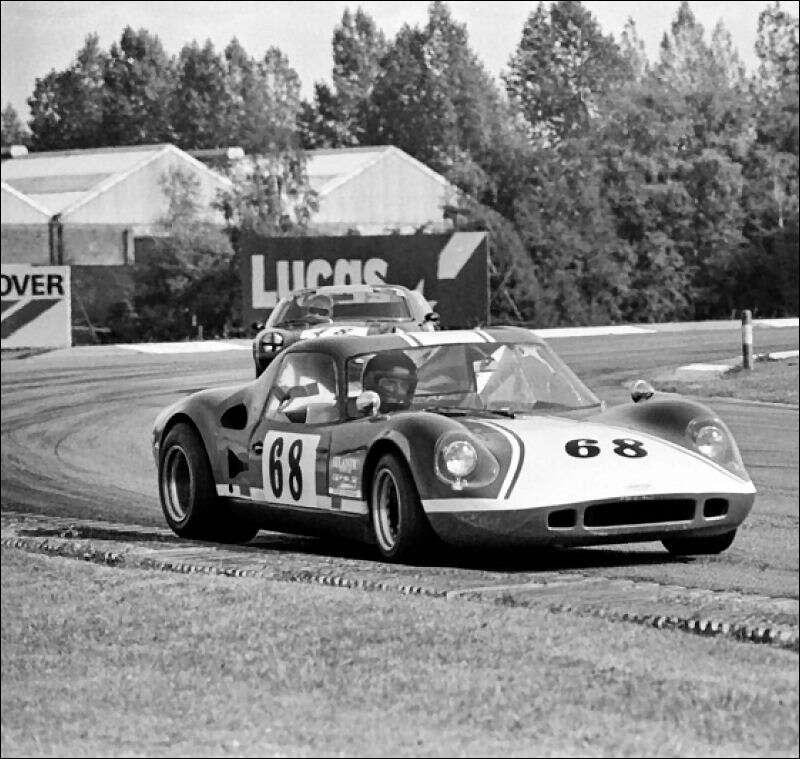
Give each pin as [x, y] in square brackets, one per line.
[539, 470]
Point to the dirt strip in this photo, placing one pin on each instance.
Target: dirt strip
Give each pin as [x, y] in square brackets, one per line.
[747, 617]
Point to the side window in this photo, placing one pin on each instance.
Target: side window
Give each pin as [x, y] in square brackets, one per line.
[304, 390]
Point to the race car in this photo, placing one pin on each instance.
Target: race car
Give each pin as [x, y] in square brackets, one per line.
[340, 310]
[471, 437]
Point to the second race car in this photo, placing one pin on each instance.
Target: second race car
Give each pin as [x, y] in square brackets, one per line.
[473, 437]
[340, 310]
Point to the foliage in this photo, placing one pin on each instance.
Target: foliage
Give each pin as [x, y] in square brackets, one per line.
[200, 102]
[13, 131]
[188, 273]
[67, 107]
[343, 115]
[139, 80]
[270, 195]
[561, 67]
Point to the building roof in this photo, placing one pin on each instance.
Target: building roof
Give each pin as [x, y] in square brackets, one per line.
[24, 199]
[329, 168]
[61, 181]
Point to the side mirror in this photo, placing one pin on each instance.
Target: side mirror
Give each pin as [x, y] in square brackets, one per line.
[432, 316]
[368, 402]
[641, 390]
[298, 415]
[257, 326]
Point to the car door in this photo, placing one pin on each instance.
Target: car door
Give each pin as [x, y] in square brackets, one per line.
[290, 444]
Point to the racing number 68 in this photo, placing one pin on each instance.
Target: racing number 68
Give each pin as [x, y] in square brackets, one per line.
[294, 456]
[583, 448]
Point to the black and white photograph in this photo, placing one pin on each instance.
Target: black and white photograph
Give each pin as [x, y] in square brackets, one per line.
[400, 378]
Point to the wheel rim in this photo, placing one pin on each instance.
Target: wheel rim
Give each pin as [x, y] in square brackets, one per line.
[177, 483]
[387, 510]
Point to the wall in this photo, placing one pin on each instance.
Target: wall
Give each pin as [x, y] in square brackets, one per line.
[94, 244]
[25, 244]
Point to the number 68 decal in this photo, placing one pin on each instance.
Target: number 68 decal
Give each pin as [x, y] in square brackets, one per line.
[289, 468]
[584, 448]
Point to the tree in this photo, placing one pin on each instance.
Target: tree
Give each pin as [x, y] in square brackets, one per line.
[633, 52]
[358, 47]
[777, 47]
[67, 106]
[13, 133]
[201, 98]
[436, 101]
[139, 83]
[271, 195]
[190, 272]
[561, 67]
[342, 114]
[264, 101]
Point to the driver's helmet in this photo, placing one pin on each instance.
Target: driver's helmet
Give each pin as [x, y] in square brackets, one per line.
[319, 305]
[393, 376]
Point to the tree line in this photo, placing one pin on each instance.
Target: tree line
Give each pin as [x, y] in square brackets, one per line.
[614, 187]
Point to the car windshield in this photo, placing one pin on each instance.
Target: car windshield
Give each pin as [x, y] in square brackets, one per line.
[359, 305]
[504, 377]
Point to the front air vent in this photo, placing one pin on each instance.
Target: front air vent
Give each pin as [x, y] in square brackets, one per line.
[562, 519]
[715, 507]
[650, 511]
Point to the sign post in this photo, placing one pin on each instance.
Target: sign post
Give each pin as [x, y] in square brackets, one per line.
[36, 306]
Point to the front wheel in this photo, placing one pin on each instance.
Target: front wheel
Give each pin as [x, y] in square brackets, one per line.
[399, 525]
[188, 492]
[695, 546]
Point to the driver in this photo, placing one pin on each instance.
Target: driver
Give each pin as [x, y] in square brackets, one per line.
[393, 376]
[319, 306]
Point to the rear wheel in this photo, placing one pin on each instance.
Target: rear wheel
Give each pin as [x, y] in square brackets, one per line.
[694, 546]
[188, 492]
[399, 525]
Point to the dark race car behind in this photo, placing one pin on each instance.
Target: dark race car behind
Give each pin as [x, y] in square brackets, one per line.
[340, 310]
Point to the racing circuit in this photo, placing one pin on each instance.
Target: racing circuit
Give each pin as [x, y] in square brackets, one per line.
[76, 447]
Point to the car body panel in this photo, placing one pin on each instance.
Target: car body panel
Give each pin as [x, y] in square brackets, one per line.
[314, 478]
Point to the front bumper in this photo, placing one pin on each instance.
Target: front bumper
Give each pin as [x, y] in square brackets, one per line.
[594, 522]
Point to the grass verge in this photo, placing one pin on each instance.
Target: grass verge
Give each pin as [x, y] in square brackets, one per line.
[773, 381]
[101, 661]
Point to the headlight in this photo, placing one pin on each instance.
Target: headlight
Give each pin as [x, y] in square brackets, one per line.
[462, 462]
[459, 458]
[714, 440]
[271, 341]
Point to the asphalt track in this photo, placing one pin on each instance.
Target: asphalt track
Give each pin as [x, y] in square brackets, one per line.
[76, 443]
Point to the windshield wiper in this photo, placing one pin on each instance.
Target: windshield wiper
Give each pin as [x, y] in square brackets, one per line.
[465, 411]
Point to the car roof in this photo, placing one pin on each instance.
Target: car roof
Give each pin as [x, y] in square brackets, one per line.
[333, 289]
[352, 345]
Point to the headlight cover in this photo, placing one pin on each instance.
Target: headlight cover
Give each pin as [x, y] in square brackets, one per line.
[711, 437]
[271, 341]
[463, 462]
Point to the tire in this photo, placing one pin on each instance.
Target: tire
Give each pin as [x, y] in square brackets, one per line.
[399, 526]
[189, 495]
[695, 546]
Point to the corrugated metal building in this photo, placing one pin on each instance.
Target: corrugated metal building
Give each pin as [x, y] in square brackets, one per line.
[87, 206]
[376, 190]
